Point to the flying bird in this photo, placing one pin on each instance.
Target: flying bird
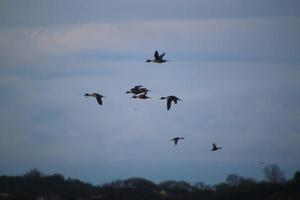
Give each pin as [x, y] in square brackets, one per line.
[215, 148]
[141, 96]
[138, 90]
[97, 96]
[134, 89]
[170, 99]
[157, 58]
[175, 139]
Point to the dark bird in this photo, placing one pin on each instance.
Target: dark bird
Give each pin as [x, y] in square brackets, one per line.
[138, 90]
[175, 139]
[262, 163]
[135, 88]
[157, 58]
[170, 99]
[141, 96]
[215, 148]
[97, 96]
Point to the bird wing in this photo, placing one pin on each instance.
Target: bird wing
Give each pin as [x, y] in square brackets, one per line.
[175, 101]
[175, 141]
[156, 55]
[137, 87]
[99, 100]
[168, 103]
[214, 145]
[162, 55]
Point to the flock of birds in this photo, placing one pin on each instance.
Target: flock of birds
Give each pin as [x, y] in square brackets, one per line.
[140, 92]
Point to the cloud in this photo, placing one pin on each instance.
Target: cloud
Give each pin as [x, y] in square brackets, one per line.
[221, 39]
[33, 13]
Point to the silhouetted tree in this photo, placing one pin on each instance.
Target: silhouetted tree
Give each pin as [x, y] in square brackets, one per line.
[173, 185]
[274, 174]
[233, 179]
[201, 186]
[297, 176]
[36, 185]
[140, 183]
[33, 173]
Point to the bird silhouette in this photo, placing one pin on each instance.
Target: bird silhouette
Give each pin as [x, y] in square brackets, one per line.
[97, 96]
[215, 148]
[175, 139]
[157, 58]
[170, 99]
[141, 96]
[138, 90]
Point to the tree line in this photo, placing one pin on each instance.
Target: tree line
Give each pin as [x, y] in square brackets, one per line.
[37, 186]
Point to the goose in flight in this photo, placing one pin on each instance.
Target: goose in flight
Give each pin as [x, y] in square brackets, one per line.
[97, 96]
[134, 89]
[141, 96]
[138, 90]
[170, 99]
[157, 58]
[215, 148]
[175, 139]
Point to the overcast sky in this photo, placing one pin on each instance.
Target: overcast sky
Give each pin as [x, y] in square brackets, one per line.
[235, 64]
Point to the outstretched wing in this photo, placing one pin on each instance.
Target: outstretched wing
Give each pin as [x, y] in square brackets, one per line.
[156, 55]
[99, 100]
[169, 104]
[175, 141]
[162, 55]
[138, 86]
[214, 145]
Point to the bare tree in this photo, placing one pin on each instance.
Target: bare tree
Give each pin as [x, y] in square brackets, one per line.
[201, 186]
[274, 174]
[233, 179]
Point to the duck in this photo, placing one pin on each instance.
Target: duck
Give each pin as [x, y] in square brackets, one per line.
[170, 99]
[141, 96]
[157, 58]
[215, 148]
[137, 91]
[97, 96]
[135, 88]
[175, 139]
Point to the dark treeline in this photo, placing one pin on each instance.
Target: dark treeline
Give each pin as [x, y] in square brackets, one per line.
[37, 186]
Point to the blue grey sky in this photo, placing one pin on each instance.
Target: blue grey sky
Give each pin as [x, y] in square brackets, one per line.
[235, 64]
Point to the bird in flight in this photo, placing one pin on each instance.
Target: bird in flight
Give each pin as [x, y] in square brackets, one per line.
[170, 99]
[141, 96]
[175, 139]
[158, 58]
[138, 90]
[97, 96]
[215, 148]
